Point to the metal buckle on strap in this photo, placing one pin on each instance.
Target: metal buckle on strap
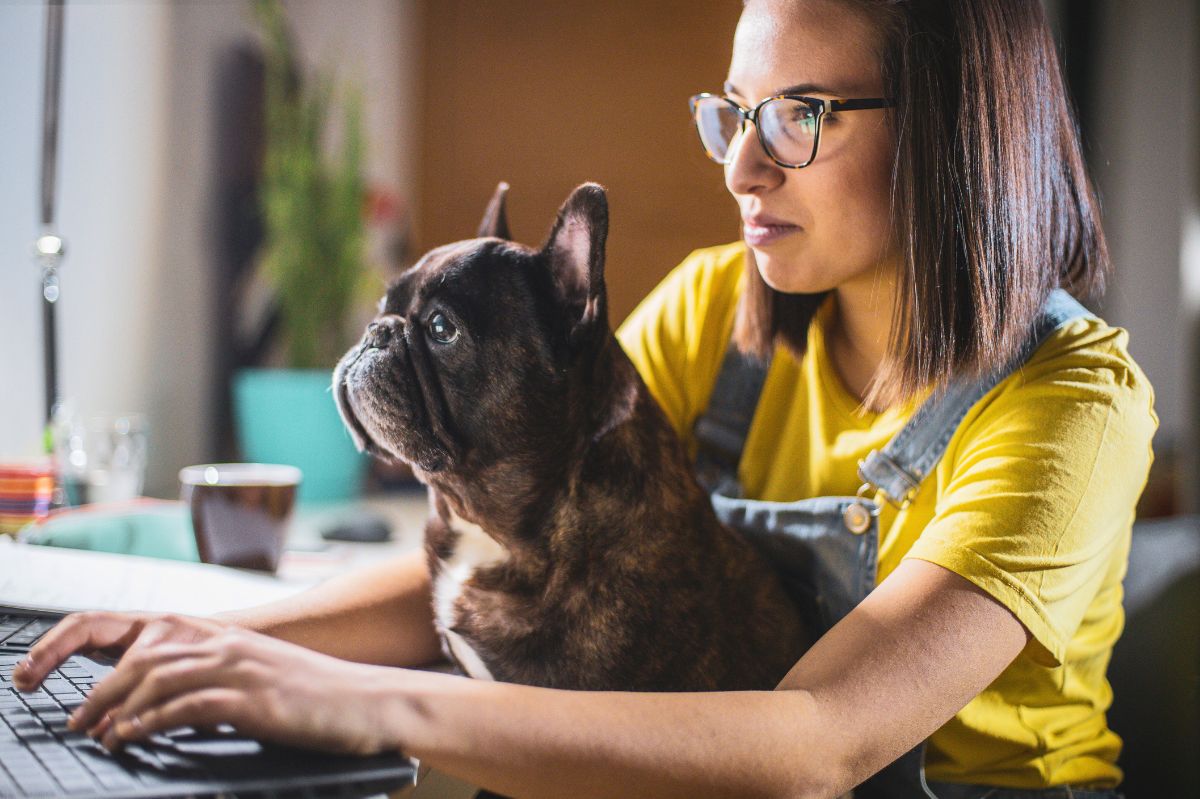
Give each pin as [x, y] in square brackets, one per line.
[864, 491]
[911, 484]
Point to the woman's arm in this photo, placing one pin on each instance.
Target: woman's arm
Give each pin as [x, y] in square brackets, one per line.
[382, 615]
[898, 667]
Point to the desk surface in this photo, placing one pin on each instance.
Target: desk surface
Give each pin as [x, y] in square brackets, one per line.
[64, 579]
[308, 557]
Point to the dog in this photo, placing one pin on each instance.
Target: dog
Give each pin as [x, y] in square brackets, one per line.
[569, 543]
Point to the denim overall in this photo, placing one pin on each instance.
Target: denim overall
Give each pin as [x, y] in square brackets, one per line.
[826, 548]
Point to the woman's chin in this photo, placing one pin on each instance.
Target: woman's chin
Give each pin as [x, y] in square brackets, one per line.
[789, 276]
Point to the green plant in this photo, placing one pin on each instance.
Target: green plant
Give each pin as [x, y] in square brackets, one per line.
[312, 205]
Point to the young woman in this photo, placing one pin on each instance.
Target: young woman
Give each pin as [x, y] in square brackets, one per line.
[912, 192]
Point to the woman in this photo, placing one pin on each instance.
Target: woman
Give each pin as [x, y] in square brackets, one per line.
[901, 244]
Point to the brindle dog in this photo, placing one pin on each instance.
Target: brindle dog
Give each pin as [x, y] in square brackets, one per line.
[569, 542]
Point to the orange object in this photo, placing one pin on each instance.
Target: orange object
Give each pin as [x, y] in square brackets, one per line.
[26, 492]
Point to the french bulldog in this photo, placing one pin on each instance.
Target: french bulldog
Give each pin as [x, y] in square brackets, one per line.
[569, 542]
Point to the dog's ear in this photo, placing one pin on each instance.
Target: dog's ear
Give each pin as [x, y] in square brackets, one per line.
[495, 219]
[576, 251]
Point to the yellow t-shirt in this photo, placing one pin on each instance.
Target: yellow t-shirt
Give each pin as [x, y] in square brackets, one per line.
[1033, 501]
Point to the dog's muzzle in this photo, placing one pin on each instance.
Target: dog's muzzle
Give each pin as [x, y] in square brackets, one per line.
[382, 331]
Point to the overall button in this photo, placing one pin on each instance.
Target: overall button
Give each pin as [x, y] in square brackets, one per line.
[856, 518]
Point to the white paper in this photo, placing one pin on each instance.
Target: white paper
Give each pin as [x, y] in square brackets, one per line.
[56, 579]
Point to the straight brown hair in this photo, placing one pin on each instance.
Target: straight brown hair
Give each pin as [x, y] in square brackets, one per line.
[991, 200]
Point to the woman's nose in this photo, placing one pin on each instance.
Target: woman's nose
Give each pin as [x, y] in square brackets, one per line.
[750, 169]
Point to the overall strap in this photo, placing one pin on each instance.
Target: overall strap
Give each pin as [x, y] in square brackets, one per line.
[721, 431]
[898, 470]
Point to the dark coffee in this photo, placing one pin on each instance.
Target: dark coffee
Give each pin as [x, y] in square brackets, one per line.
[240, 511]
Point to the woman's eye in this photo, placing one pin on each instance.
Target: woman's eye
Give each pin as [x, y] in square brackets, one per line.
[441, 329]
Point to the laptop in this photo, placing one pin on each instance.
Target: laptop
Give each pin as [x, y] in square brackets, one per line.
[40, 757]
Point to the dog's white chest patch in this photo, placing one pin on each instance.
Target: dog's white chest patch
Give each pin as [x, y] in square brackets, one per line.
[473, 550]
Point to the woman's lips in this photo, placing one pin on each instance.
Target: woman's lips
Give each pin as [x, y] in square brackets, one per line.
[761, 232]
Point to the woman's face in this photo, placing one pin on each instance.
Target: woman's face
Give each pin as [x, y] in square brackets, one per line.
[826, 226]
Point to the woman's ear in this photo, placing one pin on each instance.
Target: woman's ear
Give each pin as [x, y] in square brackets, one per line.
[575, 250]
[495, 219]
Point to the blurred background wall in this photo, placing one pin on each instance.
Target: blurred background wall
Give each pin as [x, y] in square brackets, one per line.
[462, 94]
[136, 198]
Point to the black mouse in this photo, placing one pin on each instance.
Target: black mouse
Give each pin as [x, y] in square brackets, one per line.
[363, 527]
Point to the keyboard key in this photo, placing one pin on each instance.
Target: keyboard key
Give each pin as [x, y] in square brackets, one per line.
[40, 785]
[116, 781]
[76, 785]
[21, 761]
[81, 742]
[41, 701]
[35, 737]
[56, 687]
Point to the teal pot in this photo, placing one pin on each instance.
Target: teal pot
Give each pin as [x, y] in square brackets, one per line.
[288, 416]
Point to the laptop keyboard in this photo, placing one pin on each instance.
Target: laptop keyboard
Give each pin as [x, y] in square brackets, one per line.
[21, 631]
[39, 756]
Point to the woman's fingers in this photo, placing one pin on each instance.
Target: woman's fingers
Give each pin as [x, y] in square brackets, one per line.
[167, 681]
[180, 671]
[79, 632]
[98, 729]
[115, 689]
[207, 707]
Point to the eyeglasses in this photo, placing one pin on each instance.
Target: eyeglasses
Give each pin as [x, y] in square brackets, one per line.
[788, 125]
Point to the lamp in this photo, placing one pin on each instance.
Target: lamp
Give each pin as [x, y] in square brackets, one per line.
[48, 248]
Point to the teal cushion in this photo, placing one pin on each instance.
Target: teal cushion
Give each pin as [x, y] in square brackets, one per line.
[155, 529]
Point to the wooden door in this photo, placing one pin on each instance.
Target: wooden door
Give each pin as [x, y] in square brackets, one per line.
[547, 94]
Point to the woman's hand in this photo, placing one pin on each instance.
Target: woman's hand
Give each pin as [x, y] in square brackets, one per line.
[182, 671]
[109, 634]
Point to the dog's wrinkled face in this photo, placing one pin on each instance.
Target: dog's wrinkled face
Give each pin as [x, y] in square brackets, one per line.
[468, 361]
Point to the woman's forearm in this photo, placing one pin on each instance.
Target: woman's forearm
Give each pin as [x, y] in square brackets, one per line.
[381, 615]
[538, 742]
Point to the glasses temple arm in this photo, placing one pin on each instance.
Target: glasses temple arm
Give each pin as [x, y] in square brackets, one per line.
[858, 105]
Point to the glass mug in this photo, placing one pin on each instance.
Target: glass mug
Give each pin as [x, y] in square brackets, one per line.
[240, 511]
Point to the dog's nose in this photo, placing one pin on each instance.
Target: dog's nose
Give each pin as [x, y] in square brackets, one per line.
[383, 330]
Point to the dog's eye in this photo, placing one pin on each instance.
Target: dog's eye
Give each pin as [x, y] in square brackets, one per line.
[441, 329]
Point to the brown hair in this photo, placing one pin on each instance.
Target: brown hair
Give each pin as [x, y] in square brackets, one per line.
[991, 201]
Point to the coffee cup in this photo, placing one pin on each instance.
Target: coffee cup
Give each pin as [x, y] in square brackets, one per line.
[240, 511]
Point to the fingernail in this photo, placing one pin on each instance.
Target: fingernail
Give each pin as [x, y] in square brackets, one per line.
[124, 729]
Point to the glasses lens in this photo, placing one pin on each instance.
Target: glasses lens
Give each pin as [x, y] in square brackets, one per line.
[718, 123]
[789, 128]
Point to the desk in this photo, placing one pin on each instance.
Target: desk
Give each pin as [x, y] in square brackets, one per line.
[309, 558]
[33, 576]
